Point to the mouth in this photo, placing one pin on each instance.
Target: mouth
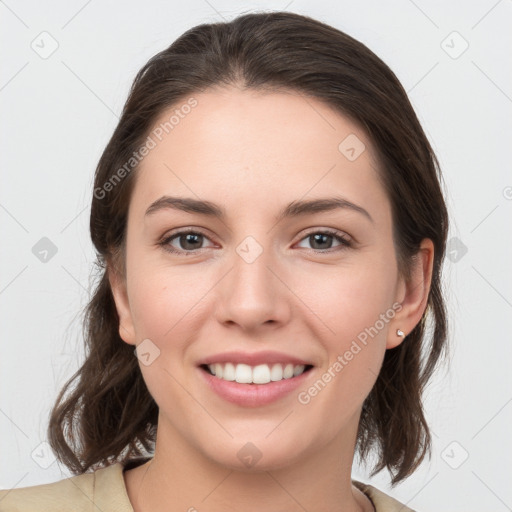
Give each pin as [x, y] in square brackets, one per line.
[258, 374]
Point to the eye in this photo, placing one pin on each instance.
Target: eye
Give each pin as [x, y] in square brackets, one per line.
[323, 240]
[189, 240]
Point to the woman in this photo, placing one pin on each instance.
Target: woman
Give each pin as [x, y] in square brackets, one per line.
[270, 230]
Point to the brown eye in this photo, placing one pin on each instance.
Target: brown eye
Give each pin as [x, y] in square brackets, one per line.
[321, 241]
[185, 242]
[190, 241]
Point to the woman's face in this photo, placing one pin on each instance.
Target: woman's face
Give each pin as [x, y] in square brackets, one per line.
[264, 279]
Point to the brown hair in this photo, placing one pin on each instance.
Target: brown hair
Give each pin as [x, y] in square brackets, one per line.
[110, 416]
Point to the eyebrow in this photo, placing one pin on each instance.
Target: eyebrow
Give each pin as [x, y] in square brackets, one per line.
[294, 209]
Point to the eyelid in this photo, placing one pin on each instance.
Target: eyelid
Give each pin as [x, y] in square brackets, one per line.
[329, 231]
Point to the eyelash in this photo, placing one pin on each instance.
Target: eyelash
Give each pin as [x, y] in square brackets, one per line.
[345, 242]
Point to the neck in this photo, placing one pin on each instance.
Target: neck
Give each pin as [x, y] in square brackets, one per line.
[180, 477]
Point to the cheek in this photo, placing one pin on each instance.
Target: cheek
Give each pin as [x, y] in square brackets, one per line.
[163, 300]
[169, 308]
[353, 309]
[352, 315]
[152, 308]
[349, 300]
[165, 306]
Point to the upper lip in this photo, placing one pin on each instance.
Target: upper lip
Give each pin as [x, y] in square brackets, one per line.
[253, 359]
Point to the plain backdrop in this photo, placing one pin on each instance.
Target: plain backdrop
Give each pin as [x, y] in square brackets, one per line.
[66, 70]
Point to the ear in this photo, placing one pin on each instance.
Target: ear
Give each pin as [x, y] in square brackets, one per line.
[119, 291]
[413, 295]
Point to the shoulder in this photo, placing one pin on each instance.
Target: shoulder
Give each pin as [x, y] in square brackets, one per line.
[381, 501]
[104, 488]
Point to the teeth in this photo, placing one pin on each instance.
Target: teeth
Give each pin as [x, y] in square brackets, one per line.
[260, 374]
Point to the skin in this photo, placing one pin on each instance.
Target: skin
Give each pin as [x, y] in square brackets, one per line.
[253, 154]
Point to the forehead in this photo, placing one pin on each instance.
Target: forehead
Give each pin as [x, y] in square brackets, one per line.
[253, 148]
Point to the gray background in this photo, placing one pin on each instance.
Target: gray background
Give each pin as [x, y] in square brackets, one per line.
[58, 112]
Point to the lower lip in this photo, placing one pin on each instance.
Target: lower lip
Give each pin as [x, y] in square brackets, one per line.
[253, 395]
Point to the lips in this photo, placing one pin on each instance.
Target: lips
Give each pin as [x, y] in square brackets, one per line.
[264, 390]
[254, 358]
[253, 395]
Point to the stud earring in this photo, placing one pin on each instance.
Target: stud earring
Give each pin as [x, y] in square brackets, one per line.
[399, 332]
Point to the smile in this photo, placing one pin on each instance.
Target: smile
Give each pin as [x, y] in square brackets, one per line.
[260, 374]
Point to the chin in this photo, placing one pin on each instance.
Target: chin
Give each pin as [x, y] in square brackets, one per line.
[257, 455]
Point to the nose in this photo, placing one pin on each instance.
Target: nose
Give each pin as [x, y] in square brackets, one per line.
[254, 292]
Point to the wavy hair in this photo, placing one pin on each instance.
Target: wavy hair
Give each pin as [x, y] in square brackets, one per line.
[105, 413]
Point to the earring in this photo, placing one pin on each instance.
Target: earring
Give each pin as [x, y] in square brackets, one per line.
[399, 332]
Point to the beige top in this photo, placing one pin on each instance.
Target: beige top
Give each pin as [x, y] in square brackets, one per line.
[105, 490]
